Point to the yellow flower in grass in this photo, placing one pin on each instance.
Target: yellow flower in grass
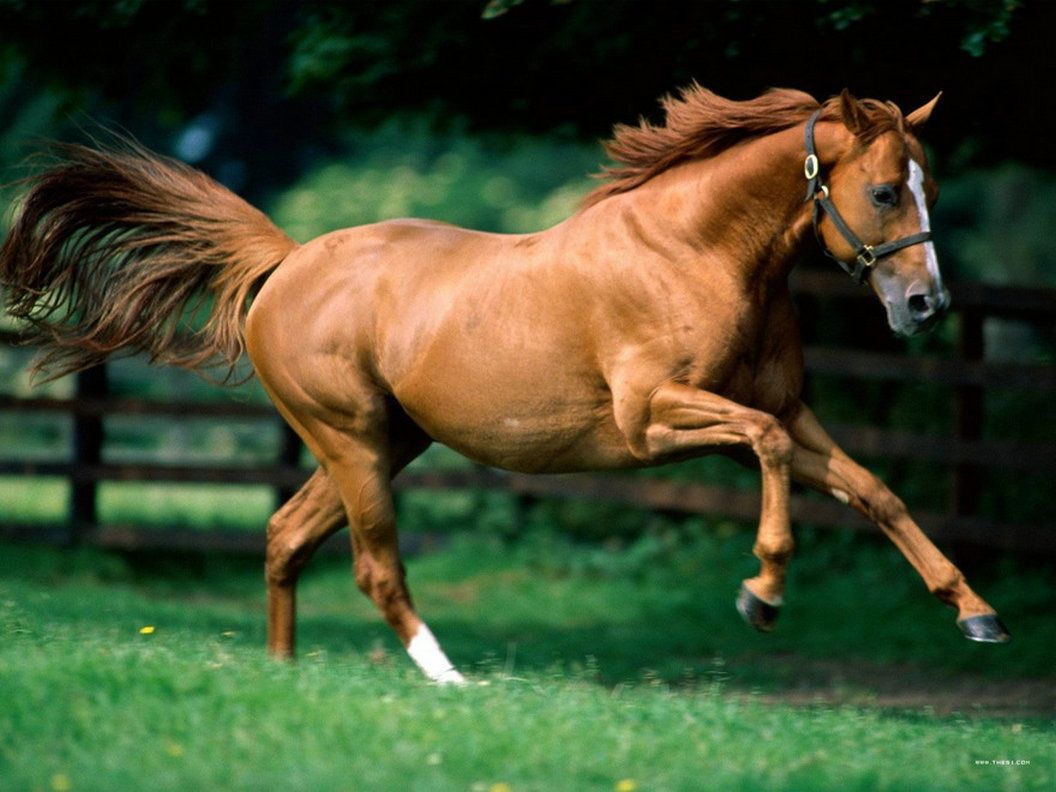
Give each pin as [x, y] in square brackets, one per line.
[147, 630]
[626, 785]
[60, 782]
[502, 786]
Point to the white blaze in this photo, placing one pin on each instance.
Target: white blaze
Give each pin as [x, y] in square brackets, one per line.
[429, 657]
[916, 186]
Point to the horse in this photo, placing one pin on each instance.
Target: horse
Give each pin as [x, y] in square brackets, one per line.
[654, 324]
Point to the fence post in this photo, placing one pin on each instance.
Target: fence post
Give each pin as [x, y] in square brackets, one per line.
[87, 451]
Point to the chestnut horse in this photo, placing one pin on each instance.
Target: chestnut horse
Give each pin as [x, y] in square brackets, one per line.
[654, 324]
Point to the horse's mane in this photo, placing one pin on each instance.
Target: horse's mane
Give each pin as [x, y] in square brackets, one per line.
[699, 124]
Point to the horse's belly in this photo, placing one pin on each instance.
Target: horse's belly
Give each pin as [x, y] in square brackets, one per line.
[531, 447]
[552, 425]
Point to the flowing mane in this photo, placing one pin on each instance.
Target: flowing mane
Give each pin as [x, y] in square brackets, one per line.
[699, 123]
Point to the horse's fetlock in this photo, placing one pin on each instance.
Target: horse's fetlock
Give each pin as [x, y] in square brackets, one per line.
[946, 585]
[778, 552]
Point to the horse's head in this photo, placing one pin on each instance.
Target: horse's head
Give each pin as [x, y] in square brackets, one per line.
[873, 213]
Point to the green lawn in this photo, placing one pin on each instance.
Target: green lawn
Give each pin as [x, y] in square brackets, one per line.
[590, 668]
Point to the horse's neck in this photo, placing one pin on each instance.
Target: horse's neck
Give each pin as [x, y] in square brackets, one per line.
[742, 209]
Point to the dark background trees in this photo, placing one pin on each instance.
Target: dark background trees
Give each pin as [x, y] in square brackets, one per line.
[275, 83]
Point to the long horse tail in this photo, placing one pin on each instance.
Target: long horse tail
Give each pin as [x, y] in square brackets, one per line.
[121, 250]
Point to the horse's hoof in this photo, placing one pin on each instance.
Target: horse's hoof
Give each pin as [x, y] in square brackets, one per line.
[986, 628]
[758, 613]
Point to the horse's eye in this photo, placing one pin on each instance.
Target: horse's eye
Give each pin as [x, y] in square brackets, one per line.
[884, 195]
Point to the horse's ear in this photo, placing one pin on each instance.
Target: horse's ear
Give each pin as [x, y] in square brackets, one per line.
[920, 116]
[854, 116]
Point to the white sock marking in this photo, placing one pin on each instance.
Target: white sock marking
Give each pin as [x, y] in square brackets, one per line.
[916, 186]
[427, 654]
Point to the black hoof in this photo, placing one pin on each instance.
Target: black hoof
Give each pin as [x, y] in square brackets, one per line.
[987, 628]
[761, 615]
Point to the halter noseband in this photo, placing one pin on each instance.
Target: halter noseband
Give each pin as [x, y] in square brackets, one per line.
[865, 256]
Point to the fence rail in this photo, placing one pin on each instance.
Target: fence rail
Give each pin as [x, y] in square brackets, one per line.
[965, 454]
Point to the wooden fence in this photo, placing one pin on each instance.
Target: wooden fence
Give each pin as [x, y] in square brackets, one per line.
[965, 454]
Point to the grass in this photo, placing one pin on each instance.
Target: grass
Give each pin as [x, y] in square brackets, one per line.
[591, 668]
[205, 507]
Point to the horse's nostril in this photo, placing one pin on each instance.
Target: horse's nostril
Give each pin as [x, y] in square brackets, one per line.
[919, 305]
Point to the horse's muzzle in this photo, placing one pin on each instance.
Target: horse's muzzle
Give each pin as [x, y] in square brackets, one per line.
[924, 308]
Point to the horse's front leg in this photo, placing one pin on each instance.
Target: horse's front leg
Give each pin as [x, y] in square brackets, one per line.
[819, 463]
[681, 420]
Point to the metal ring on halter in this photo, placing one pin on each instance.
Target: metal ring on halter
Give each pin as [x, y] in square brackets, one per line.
[811, 166]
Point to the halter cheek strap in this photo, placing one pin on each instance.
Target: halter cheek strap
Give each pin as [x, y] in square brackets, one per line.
[865, 256]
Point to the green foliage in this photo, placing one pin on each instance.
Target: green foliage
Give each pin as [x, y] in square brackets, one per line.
[33, 500]
[979, 23]
[496, 8]
[988, 23]
[486, 183]
[278, 82]
[995, 225]
[151, 55]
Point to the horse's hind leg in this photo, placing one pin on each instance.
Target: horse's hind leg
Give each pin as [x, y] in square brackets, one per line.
[379, 571]
[818, 462]
[374, 441]
[294, 533]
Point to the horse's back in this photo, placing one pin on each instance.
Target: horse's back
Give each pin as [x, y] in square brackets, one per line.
[327, 296]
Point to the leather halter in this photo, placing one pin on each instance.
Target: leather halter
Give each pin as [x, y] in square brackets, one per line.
[865, 256]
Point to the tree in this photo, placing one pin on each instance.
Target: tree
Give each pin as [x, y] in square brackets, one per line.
[278, 80]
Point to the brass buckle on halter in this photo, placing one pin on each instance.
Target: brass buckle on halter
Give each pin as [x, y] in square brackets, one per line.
[811, 168]
[867, 258]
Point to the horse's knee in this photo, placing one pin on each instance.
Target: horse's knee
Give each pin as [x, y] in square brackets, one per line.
[299, 526]
[771, 443]
[281, 565]
[288, 550]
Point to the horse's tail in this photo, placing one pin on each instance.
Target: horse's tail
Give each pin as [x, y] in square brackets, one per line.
[123, 250]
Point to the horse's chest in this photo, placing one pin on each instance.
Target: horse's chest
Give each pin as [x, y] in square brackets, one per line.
[756, 362]
[772, 386]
